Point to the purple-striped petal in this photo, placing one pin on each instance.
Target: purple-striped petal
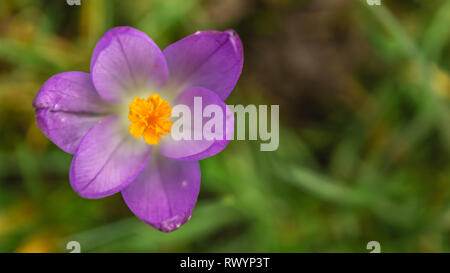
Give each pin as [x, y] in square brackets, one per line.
[197, 149]
[165, 193]
[67, 106]
[107, 160]
[126, 60]
[210, 59]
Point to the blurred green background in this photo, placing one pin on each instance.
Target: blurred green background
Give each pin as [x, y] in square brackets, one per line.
[364, 96]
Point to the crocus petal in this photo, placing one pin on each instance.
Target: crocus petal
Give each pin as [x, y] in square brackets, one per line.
[165, 193]
[107, 160]
[189, 150]
[67, 106]
[126, 60]
[210, 59]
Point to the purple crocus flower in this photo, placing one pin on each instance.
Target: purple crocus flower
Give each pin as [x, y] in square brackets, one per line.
[115, 120]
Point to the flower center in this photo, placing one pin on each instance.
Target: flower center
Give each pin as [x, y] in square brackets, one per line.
[149, 118]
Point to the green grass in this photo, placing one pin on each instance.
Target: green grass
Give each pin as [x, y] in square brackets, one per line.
[377, 170]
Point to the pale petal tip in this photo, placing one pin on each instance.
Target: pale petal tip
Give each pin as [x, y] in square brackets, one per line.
[173, 223]
[234, 40]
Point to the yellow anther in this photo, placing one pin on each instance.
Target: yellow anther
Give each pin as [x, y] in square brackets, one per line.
[149, 118]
